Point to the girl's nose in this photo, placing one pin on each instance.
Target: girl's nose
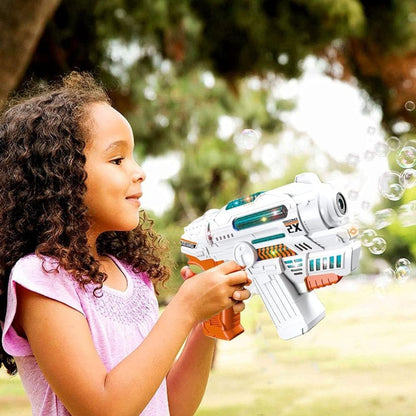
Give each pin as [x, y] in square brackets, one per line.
[139, 174]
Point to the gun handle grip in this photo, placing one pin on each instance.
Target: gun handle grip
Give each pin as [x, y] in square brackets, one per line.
[226, 325]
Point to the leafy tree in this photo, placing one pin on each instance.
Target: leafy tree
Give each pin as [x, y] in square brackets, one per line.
[153, 56]
[21, 25]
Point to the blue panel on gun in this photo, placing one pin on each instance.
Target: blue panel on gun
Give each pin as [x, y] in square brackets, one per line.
[259, 218]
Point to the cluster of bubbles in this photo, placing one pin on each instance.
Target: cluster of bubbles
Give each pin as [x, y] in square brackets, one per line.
[375, 244]
[401, 272]
[392, 185]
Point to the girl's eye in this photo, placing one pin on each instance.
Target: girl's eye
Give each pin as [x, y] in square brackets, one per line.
[117, 161]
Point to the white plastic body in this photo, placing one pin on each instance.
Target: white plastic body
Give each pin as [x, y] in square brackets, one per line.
[312, 232]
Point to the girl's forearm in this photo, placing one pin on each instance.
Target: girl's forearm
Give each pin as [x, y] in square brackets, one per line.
[146, 367]
[188, 377]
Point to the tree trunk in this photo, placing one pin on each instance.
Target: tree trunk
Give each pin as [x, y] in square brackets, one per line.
[21, 25]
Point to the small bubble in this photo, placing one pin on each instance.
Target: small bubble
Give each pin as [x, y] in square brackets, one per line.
[369, 155]
[352, 160]
[406, 215]
[412, 205]
[247, 139]
[378, 246]
[381, 149]
[402, 262]
[384, 218]
[390, 186]
[352, 195]
[402, 274]
[408, 178]
[367, 237]
[388, 274]
[393, 143]
[406, 157]
[403, 270]
[385, 279]
[409, 105]
[365, 205]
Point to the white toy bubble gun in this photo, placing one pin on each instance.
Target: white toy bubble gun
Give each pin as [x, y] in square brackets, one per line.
[291, 240]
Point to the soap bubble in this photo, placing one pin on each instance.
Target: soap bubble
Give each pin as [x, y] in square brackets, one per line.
[247, 139]
[352, 195]
[394, 143]
[390, 186]
[365, 205]
[403, 270]
[402, 262]
[406, 157]
[408, 178]
[409, 105]
[407, 215]
[381, 149]
[378, 246]
[388, 274]
[369, 155]
[412, 205]
[385, 279]
[367, 237]
[352, 159]
[384, 218]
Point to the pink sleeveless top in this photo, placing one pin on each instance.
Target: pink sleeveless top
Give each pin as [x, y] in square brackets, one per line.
[119, 321]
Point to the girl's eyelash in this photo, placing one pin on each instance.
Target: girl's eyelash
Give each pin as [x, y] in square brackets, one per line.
[117, 161]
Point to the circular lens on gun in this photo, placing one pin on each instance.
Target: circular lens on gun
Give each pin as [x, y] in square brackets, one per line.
[341, 203]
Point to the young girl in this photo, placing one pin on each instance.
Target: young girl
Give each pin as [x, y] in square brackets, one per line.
[79, 267]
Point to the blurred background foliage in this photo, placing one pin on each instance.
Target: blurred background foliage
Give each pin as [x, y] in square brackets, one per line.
[174, 68]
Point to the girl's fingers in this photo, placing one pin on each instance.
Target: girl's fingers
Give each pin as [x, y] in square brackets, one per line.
[241, 294]
[229, 267]
[238, 307]
[238, 278]
[186, 272]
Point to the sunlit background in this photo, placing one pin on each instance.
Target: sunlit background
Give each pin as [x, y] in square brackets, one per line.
[230, 98]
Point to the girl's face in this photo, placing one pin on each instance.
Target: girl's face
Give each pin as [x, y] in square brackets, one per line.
[113, 177]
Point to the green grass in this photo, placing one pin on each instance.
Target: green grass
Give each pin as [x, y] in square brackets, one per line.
[13, 401]
[360, 360]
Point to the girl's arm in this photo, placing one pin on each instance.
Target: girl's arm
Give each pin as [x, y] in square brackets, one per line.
[187, 380]
[188, 377]
[62, 345]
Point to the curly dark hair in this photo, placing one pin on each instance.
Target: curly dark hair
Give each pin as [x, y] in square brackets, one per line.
[42, 182]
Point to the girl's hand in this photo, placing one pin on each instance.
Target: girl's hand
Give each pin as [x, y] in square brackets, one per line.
[216, 289]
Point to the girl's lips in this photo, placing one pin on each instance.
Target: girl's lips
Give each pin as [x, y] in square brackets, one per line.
[135, 196]
[134, 199]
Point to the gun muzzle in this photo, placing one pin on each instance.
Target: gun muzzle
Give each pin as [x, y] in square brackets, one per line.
[333, 208]
[325, 209]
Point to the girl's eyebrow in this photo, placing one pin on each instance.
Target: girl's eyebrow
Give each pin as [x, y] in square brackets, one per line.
[116, 144]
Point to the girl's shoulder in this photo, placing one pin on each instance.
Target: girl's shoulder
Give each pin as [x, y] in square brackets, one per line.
[35, 263]
[43, 275]
[39, 268]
